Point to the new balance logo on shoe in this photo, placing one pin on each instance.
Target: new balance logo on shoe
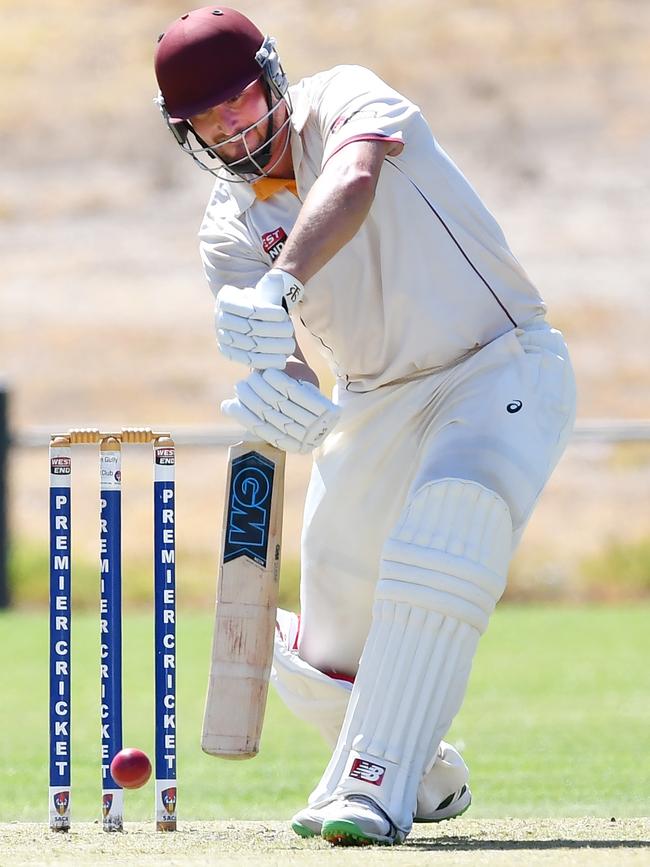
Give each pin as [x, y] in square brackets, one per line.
[367, 772]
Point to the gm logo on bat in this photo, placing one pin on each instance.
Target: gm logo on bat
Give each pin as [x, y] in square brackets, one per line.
[249, 508]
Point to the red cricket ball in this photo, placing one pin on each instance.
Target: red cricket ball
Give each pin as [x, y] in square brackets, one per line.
[130, 768]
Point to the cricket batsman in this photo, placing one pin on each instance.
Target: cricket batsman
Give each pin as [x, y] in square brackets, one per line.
[454, 399]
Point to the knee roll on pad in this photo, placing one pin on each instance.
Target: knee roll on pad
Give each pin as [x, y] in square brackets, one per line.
[450, 552]
[442, 572]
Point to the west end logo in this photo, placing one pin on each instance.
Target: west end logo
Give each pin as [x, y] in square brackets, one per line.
[165, 457]
[60, 465]
[273, 242]
[249, 500]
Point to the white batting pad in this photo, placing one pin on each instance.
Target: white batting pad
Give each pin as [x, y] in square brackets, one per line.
[442, 572]
[321, 700]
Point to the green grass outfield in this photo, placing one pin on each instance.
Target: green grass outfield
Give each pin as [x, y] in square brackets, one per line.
[556, 721]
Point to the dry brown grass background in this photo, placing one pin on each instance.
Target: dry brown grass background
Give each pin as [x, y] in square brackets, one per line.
[106, 318]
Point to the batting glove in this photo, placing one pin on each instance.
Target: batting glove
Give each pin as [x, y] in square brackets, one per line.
[253, 325]
[290, 414]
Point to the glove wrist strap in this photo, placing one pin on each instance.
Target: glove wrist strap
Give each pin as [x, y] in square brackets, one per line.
[280, 287]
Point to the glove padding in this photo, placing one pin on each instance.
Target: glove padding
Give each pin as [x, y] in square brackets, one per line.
[253, 325]
[290, 414]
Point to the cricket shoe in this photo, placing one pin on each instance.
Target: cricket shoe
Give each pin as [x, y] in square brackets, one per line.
[358, 821]
[449, 774]
[309, 822]
[451, 808]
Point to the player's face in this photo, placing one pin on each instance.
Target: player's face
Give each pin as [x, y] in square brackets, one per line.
[229, 119]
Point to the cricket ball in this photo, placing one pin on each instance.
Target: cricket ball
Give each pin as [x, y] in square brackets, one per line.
[130, 768]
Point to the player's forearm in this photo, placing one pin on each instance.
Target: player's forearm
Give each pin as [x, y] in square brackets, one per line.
[330, 217]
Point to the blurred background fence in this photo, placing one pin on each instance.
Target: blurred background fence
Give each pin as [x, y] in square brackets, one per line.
[594, 440]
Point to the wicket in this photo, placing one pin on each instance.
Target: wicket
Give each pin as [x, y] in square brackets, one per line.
[110, 455]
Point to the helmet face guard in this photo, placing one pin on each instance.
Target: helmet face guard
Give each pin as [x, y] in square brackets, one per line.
[256, 162]
[207, 57]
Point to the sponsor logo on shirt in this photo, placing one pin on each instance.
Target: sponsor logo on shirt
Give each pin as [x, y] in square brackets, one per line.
[367, 772]
[273, 242]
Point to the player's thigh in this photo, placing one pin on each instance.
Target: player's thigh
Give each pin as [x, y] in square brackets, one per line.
[506, 420]
[358, 486]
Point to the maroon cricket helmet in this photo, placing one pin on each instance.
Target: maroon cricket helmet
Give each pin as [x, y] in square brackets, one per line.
[206, 57]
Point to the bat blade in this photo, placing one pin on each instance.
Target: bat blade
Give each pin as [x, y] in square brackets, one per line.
[247, 595]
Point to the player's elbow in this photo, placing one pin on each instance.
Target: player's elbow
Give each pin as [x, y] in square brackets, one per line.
[356, 187]
[353, 174]
[355, 170]
[363, 182]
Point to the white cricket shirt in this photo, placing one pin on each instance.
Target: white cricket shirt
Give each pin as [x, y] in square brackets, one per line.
[428, 278]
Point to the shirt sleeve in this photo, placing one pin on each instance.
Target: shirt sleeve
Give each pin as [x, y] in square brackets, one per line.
[228, 253]
[353, 104]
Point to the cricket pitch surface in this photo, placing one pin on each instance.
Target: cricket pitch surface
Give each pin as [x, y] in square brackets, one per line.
[588, 842]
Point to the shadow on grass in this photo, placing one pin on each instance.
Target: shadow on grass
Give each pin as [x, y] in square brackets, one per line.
[469, 844]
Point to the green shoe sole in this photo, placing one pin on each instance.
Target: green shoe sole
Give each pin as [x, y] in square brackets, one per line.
[345, 833]
[302, 830]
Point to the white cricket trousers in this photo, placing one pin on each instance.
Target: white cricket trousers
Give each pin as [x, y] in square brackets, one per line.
[501, 418]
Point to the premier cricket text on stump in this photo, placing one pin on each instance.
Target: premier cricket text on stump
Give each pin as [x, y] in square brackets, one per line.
[110, 462]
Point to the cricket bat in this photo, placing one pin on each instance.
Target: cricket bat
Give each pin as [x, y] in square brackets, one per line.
[247, 596]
